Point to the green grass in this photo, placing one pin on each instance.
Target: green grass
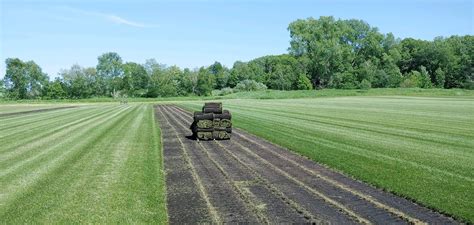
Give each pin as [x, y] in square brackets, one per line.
[421, 148]
[14, 108]
[101, 162]
[91, 164]
[274, 94]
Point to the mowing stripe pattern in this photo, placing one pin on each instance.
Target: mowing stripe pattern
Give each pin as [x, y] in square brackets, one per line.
[90, 164]
[247, 179]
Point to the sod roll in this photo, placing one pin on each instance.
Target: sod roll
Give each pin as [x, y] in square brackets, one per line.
[228, 130]
[216, 123]
[204, 123]
[211, 110]
[225, 115]
[203, 116]
[204, 129]
[213, 104]
[227, 123]
[204, 135]
[221, 135]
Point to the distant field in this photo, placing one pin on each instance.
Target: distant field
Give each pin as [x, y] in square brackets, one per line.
[16, 108]
[91, 164]
[271, 94]
[418, 147]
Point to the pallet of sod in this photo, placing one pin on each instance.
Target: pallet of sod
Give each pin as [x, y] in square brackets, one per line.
[212, 123]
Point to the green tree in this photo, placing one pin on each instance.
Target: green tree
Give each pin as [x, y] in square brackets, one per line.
[3, 90]
[135, 79]
[392, 75]
[412, 80]
[189, 82]
[343, 80]
[80, 82]
[281, 77]
[109, 72]
[333, 50]
[425, 80]
[440, 78]
[205, 82]
[24, 79]
[364, 85]
[16, 80]
[240, 71]
[165, 81]
[55, 90]
[220, 73]
[367, 71]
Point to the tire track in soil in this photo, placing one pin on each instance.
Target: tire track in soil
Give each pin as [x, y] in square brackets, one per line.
[220, 192]
[265, 175]
[313, 210]
[401, 207]
[185, 203]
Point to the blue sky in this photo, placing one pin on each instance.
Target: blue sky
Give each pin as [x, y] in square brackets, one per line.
[56, 34]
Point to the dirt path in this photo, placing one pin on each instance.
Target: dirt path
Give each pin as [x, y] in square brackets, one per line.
[247, 179]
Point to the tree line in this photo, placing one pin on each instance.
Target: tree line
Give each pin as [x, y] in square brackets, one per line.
[323, 53]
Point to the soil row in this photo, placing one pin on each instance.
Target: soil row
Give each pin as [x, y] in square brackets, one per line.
[248, 179]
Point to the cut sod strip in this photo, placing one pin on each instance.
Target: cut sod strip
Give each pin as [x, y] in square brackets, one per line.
[275, 185]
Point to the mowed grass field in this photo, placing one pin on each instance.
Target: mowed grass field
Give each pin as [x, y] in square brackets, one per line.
[421, 148]
[90, 164]
[15, 108]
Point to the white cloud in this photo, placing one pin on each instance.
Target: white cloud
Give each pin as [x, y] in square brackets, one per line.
[120, 20]
[111, 18]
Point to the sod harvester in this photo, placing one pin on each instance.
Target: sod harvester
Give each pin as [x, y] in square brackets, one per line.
[212, 123]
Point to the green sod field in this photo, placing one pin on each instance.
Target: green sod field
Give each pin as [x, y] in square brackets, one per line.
[418, 147]
[90, 164]
[15, 108]
[102, 163]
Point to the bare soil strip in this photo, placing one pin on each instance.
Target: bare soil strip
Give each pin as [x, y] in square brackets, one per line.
[35, 111]
[248, 179]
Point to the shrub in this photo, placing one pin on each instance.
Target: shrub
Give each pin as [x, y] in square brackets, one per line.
[304, 83]
[469, 85]
[250, 85]
[223, 91]
[412, 80]
[365, 84]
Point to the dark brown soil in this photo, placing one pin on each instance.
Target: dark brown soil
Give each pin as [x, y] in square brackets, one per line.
[248, 179]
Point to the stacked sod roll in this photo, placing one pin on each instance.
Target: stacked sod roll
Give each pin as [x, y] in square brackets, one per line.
[212, 123]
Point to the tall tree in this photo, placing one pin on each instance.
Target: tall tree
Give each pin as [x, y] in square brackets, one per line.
[24, 79]
[220, 73]
[323, 43]
[55, 90]
[110, 72]
[80, 82]
[135, 79]
[205, 82]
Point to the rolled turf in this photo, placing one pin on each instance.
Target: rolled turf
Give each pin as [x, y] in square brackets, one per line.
[204, 135]
[213, 104]
[205, 123]
[221, 135]
[211, 110]
[203, 116]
